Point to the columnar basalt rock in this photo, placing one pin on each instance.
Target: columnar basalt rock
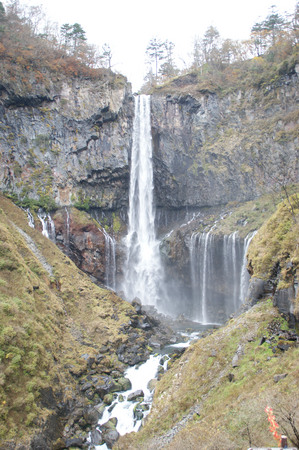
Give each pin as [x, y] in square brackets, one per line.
[70, 143]
[206, 146]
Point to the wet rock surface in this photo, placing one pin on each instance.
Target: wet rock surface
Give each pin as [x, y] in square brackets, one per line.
[99, 387]
[110, 434]
[80, 238]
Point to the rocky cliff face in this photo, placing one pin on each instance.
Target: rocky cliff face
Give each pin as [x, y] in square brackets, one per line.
[67, 140]
[82, 240]
[210, 149]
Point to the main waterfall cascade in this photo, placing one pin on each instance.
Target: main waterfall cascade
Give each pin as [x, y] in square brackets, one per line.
[143, 275]
[218, 275]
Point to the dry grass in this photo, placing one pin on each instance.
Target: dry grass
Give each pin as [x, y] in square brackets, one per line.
[46, 324]
[231, 412]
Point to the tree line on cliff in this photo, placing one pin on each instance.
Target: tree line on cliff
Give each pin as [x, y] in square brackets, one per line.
[273, 40]
[29, 42]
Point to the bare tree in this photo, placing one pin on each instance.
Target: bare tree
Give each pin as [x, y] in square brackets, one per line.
[288, 417]
[278, 171]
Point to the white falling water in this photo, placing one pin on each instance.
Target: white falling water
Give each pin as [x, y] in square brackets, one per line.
[219, 277]
[30, 218]
[244, 272]
[43, 218]
[231, 267]
[52, 231]
[143, 269]
[139, 375]
[67, 231]
[48, 225]
[110, 260]
[201, 259]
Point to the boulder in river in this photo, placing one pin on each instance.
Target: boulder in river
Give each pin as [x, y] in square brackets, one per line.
[109, 433]
[125, 384]
[135, 395]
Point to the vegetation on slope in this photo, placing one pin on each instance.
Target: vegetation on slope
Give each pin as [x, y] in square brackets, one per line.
[51, 316]
[244, 217]
[276, 244]
[222, 66]
[224, 404]
[32, 58]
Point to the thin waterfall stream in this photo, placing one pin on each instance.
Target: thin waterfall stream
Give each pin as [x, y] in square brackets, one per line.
[219, 277]
[110, 261]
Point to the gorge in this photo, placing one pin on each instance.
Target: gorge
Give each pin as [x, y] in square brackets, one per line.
[117, 210]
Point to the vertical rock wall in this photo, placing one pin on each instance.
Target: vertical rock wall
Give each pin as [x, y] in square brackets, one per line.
[206, 145]
[69, 143]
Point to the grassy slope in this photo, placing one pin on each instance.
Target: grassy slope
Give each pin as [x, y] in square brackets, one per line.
[46, 324]
[232, 412]
[277, 241]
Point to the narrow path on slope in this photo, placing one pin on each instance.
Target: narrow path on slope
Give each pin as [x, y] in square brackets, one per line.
[31, 244]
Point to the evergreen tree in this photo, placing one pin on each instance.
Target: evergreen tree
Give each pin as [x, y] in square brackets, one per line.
[168, 68]
[77, 35]
[106, 56]
[2, 18]
[65, 31]
[73, 36]
[156, 52]
[273, 25]
[264, 34]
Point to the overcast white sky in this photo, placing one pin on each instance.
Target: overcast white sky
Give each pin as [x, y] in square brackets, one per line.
[128, 25]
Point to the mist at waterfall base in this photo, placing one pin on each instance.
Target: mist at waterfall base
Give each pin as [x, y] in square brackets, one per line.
[217, 278]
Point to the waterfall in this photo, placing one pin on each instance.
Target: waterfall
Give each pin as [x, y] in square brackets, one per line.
[201, 259]
[42, 217]
[30, 217]
[142, 269]
[51, 229]
[244, 272]
[48, 225]
[231, 266]
[110, 261]
[219, 278]
[67, 231]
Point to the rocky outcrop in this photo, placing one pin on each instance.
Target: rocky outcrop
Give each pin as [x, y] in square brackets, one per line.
[206, 146]
[68, 140]
[283, 298]
[82, 239]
